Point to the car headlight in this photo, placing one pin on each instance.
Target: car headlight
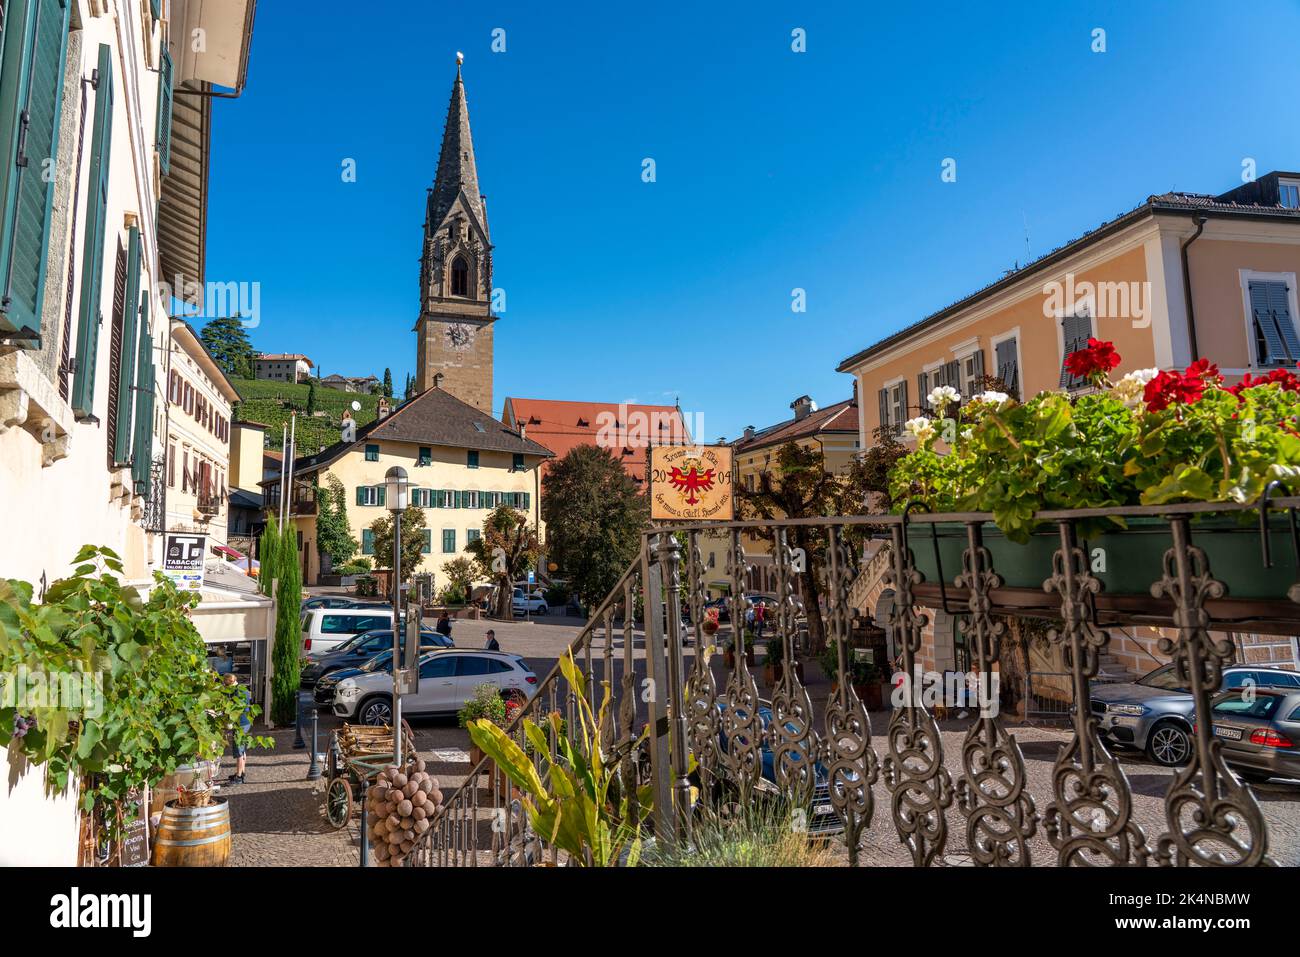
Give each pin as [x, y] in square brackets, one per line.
[347, 691]
[1131, 709]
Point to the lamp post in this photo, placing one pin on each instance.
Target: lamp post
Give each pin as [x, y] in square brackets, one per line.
[397, 487]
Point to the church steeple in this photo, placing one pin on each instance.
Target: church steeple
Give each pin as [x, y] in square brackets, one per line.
[457, 176]
[454, 331]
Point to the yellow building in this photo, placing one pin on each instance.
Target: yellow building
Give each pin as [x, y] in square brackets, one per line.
[461, 464]
[199, 399]
[832, 430]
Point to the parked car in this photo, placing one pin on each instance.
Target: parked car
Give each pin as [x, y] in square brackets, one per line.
[359, 649]
[1260, 731]
[447, 680]
[324, 629]
[1155, 713]
[823, 820]
[533, 604]
[723, 605]
[338, 601]
[382, 663]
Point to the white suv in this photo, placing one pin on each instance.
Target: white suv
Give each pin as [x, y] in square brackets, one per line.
[532, 604]
[324, 629]
[448, 678]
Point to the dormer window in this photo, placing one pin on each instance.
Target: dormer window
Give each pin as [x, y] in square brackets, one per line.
[460, 277]
[1288, 193]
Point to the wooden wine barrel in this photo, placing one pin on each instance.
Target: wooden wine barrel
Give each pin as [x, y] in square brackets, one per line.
[193, 836]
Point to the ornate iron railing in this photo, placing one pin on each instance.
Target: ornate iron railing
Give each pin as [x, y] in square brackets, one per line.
[1088, 818]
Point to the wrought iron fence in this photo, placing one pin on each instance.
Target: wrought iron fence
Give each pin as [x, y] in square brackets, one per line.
[710, 738]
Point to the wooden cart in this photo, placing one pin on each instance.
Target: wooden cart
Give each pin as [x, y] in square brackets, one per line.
[357, 754]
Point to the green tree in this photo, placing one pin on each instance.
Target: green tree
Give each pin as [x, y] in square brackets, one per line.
[504, 553]
[333, 533]
[311, 397]
[228, 342]
[795, 484]
[460, 574]
[594, 519]
[268, 547]
[388, 382]
[285, 657]
[413, 527]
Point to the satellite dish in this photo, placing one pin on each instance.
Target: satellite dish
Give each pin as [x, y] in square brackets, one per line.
[356, 406]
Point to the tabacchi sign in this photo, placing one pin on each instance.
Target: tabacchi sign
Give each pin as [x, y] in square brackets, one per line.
[691, 482]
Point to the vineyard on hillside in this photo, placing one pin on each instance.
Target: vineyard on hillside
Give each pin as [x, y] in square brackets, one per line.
[271, 403]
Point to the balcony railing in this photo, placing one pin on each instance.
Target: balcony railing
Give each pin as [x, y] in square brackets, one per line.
[711, 738]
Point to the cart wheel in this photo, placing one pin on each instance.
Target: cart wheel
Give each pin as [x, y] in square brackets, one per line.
[338, 803]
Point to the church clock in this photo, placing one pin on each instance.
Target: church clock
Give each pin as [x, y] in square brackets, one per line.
[460, 335]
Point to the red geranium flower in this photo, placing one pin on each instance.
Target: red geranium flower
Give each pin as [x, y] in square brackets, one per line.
[1096, 360]
[1285, 379]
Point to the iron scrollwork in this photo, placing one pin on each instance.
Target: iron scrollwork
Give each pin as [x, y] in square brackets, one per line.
[919, 784]
[1090, 820]
[741, 725]
[703, 720]
[993, 791]
[795, 745]
[852, 766]
[1212, 818]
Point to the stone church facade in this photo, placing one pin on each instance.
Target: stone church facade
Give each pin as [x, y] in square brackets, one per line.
[455, 327]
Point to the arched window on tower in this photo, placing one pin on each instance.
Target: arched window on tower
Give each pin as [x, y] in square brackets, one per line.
[460, 277]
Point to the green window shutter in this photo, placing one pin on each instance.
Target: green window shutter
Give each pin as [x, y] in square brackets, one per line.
[92, 274]
[372, 453]
[471, 459]
[361, 495]
[144, 406]
[367, 541]
[126, 367]
[155, 7]
[31, 97]
[383, 494]
[448, 540]
[527, 498]
[164, 131]
[427, 547]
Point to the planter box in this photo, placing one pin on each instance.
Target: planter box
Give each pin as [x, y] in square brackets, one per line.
[1133, 557]
[337, 581]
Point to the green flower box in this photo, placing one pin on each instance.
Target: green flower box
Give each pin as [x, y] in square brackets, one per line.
[1127, 561]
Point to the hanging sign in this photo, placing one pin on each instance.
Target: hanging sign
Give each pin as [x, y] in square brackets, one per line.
[183, 555]
[691, 482]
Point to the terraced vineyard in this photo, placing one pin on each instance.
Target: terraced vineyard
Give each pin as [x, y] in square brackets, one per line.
[272, 403]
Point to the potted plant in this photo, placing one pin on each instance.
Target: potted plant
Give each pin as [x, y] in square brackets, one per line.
[710, 624]
[728, 648]
[486, 704]
[869, 679]
[1152, 438]
[774, 663]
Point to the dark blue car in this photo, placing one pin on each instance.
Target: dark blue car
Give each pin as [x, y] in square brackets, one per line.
[359, 649]
[822, 818]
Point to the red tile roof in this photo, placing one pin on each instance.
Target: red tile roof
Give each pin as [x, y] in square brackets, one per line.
[562, 426]
[840, 417]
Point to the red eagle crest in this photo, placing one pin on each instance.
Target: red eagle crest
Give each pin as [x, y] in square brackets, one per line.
[691, 481]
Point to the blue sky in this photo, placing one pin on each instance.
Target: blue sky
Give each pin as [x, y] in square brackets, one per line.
[775, 170]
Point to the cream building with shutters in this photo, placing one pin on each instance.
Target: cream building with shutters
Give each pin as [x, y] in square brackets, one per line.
[104, 146]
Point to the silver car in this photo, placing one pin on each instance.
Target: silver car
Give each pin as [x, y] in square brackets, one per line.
[1155, 713]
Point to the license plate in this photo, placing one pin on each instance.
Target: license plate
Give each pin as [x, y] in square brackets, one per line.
[1232, 733]
[822, 810]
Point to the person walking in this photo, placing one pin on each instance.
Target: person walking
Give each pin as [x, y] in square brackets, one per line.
[444, 624]
[760, 619]
[491, 643]
[240, 751]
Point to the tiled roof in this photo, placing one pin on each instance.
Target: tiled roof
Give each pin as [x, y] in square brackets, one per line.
[1166, 202]
[840, 417]
[434, 417]
[285, 357]
[563, 425]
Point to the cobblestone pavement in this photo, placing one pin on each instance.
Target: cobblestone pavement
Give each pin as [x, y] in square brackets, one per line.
[277, 817]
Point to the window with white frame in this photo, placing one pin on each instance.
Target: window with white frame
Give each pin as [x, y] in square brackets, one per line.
[1288, 193]
[893, 405]
[1270, 300]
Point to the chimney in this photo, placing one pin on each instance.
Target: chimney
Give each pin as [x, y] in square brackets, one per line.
[749, 432]
[437, 380]
[523, 430]
[381, 410]
[802, 406]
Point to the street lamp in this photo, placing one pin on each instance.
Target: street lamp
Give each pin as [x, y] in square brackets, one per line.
[397, 488]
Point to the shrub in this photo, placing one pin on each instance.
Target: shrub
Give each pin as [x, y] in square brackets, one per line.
[764, 834]
[487, 704]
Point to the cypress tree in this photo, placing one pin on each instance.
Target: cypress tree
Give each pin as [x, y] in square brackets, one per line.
[286, 668]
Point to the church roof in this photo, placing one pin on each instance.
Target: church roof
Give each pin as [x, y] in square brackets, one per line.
[457, 170]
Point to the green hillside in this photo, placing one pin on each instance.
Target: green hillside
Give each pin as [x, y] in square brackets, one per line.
[271, 403]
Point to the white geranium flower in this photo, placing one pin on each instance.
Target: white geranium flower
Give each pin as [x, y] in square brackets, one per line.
[920, 427]
[1141, 376]
[993, 396]
[967, 434]
[942, 396]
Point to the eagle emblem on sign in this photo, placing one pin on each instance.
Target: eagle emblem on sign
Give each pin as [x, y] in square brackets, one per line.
[690, 478]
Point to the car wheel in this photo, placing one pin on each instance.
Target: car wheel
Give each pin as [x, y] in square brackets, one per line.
[1168, 745]
[542, 610]
[375, 711]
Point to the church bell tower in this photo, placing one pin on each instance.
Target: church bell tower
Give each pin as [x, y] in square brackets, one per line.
[454, 331]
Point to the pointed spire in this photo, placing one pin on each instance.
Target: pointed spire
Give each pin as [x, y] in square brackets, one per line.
[457, 169]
